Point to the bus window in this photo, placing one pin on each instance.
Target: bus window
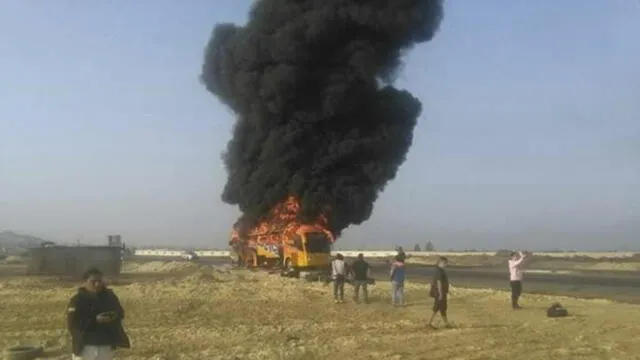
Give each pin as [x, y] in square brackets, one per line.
[318, 242]
[297, 242]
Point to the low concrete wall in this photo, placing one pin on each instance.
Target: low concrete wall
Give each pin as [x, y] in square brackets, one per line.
[74, 260]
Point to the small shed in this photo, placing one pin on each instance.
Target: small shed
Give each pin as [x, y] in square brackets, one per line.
[74, 260]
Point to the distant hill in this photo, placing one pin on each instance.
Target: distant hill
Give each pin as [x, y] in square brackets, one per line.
[12, 241]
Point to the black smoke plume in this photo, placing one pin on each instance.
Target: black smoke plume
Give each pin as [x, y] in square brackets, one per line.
[317, 116]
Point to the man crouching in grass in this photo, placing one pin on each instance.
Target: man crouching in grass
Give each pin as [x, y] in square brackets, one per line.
[94, 320]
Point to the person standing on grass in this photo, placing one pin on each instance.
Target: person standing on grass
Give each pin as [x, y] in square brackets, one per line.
[397, 275]
[338, 273]
[94, 320]
[401, 253]
[515, 276]
[440, 291]
[361, 273]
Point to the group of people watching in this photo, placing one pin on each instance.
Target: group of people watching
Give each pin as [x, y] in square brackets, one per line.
[359, 273]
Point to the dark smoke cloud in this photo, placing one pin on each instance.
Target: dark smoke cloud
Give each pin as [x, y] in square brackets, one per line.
[317, 117]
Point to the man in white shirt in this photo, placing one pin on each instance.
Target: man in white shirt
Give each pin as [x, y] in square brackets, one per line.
[338, 273]
[515, 277]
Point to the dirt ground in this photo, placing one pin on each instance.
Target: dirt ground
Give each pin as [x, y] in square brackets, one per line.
[182, 311]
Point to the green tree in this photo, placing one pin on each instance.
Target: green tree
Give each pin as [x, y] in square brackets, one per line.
[429, 246]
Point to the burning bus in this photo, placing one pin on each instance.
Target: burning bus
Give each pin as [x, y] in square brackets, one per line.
[281, 241]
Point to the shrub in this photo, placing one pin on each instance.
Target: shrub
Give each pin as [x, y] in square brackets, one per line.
[503, 253]
[13, 260]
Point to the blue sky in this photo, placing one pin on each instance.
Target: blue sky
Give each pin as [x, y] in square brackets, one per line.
[529, 138]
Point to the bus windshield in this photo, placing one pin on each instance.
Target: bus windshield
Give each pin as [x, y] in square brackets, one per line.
[317, 242]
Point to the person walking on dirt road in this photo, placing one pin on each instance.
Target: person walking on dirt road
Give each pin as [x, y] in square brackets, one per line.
[515, 277]
[338, 273]
[361, 273]
[397, 275]
[94, 320]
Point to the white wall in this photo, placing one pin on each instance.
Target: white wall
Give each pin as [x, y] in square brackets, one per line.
[380, 254]
[166, 252]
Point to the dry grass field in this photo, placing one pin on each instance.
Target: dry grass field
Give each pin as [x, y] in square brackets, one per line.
[183, 311]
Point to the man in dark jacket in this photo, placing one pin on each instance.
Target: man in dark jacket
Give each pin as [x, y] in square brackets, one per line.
[361, 273]
[94, 320]
[439, 292]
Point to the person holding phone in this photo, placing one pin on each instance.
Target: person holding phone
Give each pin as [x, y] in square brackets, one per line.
[94, 320]
[515, 277]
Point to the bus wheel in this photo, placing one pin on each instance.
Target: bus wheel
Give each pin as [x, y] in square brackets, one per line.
[287, 269]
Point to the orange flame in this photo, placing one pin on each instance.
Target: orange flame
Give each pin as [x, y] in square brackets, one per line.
[280, 221]
[283, 215]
